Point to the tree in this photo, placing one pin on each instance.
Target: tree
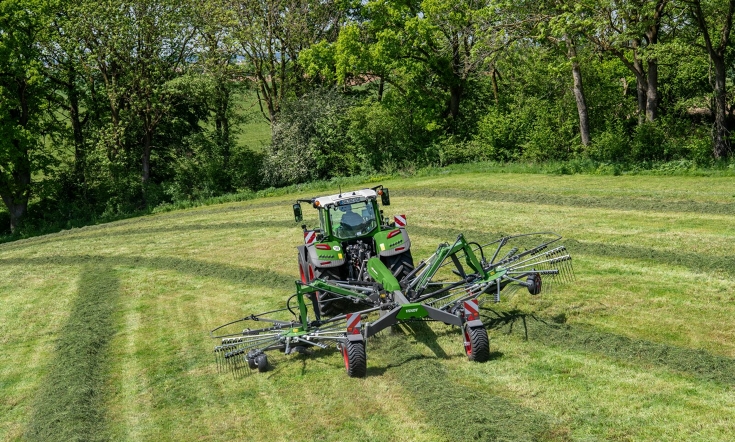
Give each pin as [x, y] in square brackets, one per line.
[432, 47]
[714, 21]
[138, 48]
[271, 35]
[23, 90]
[625, 29]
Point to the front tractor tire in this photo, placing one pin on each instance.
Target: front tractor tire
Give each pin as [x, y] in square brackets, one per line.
[355, 358]
[476, 344]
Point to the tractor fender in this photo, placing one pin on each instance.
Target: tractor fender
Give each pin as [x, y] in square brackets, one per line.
[395, 245]
[303, 264]
[324, 258]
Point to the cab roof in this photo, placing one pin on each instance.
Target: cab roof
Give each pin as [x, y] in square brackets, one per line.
[345, 198]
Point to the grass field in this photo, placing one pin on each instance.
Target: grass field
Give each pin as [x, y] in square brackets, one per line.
[103, 330]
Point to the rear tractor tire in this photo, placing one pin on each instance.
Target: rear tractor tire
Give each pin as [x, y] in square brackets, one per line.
[477, 344]
[328, 306]
[396, 261]
[355, 358]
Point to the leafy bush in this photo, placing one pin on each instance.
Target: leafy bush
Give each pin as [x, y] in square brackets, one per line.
[310, 140]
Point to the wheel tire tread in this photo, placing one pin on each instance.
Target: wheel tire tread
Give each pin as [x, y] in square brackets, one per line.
[480, 344]
[357, 359]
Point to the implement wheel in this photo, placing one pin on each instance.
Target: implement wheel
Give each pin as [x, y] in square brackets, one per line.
[477, 344]
[534, 284]
[262, 361]
[355, 359]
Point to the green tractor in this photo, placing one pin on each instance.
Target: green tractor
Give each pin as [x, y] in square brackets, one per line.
[352, 229]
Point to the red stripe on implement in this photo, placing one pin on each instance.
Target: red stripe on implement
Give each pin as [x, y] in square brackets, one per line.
[471, 309]
[400, 220]
[353, 322]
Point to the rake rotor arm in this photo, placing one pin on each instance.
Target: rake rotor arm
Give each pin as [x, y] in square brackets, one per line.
[443, 252]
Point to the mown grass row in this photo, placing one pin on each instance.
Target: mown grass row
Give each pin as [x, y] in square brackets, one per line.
[71, 402]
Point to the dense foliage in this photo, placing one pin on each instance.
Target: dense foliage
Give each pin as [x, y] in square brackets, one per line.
[114, 107]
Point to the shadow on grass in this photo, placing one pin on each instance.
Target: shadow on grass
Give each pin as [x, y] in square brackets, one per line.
[425, 335]
[460, 411]
[698, 364]
[71, 402]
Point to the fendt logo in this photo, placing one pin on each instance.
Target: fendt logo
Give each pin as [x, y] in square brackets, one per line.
[412, 310]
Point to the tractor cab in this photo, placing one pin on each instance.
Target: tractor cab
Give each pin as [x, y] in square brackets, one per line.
[349, 217]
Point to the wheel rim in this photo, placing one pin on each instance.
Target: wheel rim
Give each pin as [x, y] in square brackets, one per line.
[346, 358]
[467, 343]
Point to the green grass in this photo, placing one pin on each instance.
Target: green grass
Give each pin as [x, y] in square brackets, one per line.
[255, 131]
[103, 329]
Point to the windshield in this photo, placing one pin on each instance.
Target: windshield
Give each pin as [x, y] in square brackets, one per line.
[353, 220]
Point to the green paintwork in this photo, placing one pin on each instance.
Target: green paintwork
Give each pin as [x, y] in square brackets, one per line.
[444, 251]
[412, 311]
[379, 272]
[331, 254]
[495, 274]
[317, 285]
[383, 243]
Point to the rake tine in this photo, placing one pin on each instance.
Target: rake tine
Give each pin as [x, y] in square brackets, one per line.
[571, 269]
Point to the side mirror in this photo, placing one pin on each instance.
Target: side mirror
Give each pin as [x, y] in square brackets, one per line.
[385, 197]
[297, 212]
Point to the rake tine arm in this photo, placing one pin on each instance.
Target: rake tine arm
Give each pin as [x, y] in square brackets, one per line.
[549, 254]
[558, 260]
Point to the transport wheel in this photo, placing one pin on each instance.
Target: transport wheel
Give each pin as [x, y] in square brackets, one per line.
[477, 344]
[534, 284]
[251, 363]
[262, 362]
[355, 359]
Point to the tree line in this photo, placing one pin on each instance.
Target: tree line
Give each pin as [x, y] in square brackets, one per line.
[110, 107]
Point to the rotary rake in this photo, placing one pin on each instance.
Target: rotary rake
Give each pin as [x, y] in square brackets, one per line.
[450, 286]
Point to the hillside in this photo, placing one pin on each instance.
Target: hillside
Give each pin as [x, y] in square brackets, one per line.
[103, 329]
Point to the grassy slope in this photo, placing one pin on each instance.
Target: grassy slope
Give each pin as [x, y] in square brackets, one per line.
[103, 329]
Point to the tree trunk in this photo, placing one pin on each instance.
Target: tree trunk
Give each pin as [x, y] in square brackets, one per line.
[721, 141]
[641, 84]
[652, 91]
[457, 80]
[15, 194]
[381, 86]
[17, 209]
[584, 122]
[455, 96]
[146, 173]
[494, 76]
[76, 124]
